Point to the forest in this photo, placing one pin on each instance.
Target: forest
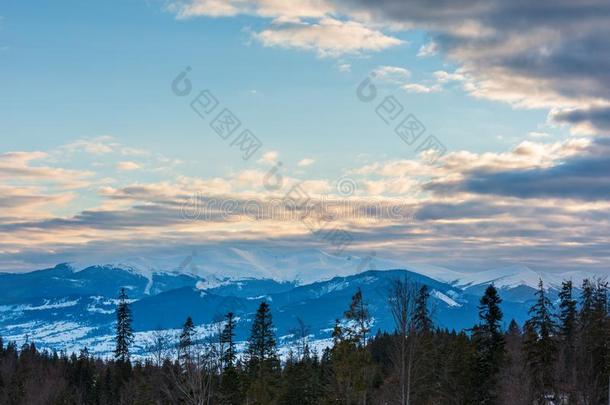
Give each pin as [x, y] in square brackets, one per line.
[560, 355]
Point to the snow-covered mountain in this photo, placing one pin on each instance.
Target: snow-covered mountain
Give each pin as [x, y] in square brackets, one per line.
[69, 306]
[311, 265]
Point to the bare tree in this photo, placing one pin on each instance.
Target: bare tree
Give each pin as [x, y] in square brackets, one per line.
[159, 346]
[191, 378]
[301, 335]
[402, 303]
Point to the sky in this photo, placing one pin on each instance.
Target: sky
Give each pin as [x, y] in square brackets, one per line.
[464, 134]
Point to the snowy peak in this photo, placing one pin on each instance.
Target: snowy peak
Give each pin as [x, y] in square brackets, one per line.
[504, 277]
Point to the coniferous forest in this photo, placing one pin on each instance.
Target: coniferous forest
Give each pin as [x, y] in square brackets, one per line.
[561, 355]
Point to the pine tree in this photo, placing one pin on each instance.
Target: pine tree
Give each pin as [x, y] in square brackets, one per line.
[489, 345]
[230, 390]
[568, 312]
[124, 332]
[263, 363]
[261, 345]
[301, 382]
[349, 359]
[421, 317]
[594, 370]
[186, 340]
[540, 345]
[227, 339]
[514, 382]
[568, 332]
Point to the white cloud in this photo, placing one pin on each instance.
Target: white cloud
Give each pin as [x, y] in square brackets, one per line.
[344, 67]
[328, 37]
[95, 146]
[392, 74]
[281, 10]
[269, 157]
[419, 88]
[305, 162]
[429, 49]
[444, 77]
[127, 166]
[18, 165]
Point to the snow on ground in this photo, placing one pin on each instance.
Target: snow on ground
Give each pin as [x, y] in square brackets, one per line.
[52, 334]
[444, 298]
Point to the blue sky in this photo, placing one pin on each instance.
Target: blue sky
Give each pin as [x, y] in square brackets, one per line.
[88, 99]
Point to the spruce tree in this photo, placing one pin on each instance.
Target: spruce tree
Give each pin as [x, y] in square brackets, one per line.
[489, 346]
[230, 390]
[568, 332]
[261, 345]
[349, 359]
[186, 340]
[227, 339]
[421, 317]
[124, 332]
[594, 373]
[568, 312]
[540, 345]
[263, 363]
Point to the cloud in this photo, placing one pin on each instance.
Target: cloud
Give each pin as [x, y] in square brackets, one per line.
[127, 166]
[18, 166]
[444, 77]
[95, 146]
[552, 54]
[541, 202]
[429, 49]
[305, 162]
[392, 74]
[578, 176]
[269, 157]
[344, 67]
[277, 9]
[585, 121]
[30, 202]
[419, 88]
[328, 37]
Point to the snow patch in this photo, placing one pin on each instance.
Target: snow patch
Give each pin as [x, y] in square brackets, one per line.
[449, 301]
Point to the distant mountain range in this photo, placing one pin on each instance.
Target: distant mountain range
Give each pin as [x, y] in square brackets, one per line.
[67, 307]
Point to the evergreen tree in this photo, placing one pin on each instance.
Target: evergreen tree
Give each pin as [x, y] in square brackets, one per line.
[540, 346]
[515, 387]
[227, 340]
[595, 342]
[261, 345]
[568, 332]
[568, 312]
[186, 341]
[489, 345]
[124, 332]
[421, 317]
[263, 363]
[301, 382]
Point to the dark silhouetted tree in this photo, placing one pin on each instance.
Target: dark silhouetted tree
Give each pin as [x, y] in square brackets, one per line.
[489, 346]
[124, 331]
[541, 346]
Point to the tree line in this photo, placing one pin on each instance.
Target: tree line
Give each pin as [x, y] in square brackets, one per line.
[561, 355]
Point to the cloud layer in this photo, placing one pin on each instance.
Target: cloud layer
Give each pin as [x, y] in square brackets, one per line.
[543, 204]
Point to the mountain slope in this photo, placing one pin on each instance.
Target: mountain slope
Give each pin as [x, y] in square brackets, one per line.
[64, 308]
